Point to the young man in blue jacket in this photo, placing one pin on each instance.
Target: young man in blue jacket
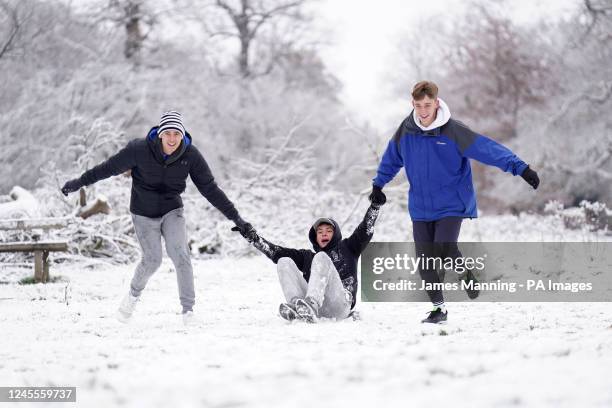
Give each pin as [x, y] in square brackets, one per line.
[434, 150]
[160, 164]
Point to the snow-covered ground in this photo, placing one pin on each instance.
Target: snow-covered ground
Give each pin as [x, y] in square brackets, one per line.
[242, 354]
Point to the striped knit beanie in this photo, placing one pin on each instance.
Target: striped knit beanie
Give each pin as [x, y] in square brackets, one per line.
[171, 120]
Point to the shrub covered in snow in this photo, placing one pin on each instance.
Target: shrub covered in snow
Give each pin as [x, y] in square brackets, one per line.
[592, 216]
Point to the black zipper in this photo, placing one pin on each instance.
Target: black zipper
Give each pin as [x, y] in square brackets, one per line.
[163, 183]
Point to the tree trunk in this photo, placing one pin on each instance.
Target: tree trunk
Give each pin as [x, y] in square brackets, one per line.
[134, 37]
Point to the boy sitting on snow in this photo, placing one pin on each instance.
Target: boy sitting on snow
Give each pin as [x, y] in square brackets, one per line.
[323, 282]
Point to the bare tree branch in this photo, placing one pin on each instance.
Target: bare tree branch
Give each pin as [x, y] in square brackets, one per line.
[248, 18]
[18, 16]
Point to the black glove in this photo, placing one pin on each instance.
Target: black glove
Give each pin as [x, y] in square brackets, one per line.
[377, 197]
[71, 187]
[247, 231]
[531, 177]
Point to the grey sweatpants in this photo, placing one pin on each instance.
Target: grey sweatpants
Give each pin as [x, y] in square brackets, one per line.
[324, 286]
[149, 232]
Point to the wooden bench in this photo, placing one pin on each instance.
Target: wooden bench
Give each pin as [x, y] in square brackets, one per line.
[40, 249]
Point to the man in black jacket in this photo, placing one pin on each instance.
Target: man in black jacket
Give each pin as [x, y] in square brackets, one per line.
[160, 164]
[322, 283]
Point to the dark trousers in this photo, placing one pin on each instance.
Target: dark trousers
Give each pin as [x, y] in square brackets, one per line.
[436, 239]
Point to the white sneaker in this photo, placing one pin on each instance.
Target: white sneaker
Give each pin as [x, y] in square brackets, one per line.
[126, 308]
[190, 319]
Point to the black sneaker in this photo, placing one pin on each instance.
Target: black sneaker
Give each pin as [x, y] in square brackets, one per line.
[307, 310]
[436, 316]
[287, 311]
[472, 293]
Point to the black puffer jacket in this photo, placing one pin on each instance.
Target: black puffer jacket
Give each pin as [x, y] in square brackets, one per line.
[344, 253]
[158, 182]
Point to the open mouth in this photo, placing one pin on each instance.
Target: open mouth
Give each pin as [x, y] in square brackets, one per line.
[324, 241]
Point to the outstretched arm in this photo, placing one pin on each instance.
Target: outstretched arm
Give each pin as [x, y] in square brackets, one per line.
[205, 182]
[121, 162]
[488, 151]
[360, 238]
[276, 252]
[391, 161]
[273, 251]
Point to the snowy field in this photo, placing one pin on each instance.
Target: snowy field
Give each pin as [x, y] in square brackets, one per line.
[242, 354]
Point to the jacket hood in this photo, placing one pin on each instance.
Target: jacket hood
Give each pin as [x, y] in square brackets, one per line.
[443, 115]
[155, 145]
[312, 235]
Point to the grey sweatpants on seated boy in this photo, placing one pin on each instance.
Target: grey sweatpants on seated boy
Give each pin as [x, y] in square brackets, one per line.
[324, 286]
[149, 232]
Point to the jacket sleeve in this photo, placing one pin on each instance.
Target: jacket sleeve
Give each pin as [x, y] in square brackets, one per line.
[391, 161]
[205, 182]
[121, 162]
[487, 151]
[276, 252]
[360, 238]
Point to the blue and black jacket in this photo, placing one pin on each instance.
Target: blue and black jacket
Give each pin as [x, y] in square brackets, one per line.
[438, 167]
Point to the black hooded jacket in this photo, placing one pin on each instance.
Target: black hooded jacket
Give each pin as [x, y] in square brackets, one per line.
[158, 181]
[344, 253]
